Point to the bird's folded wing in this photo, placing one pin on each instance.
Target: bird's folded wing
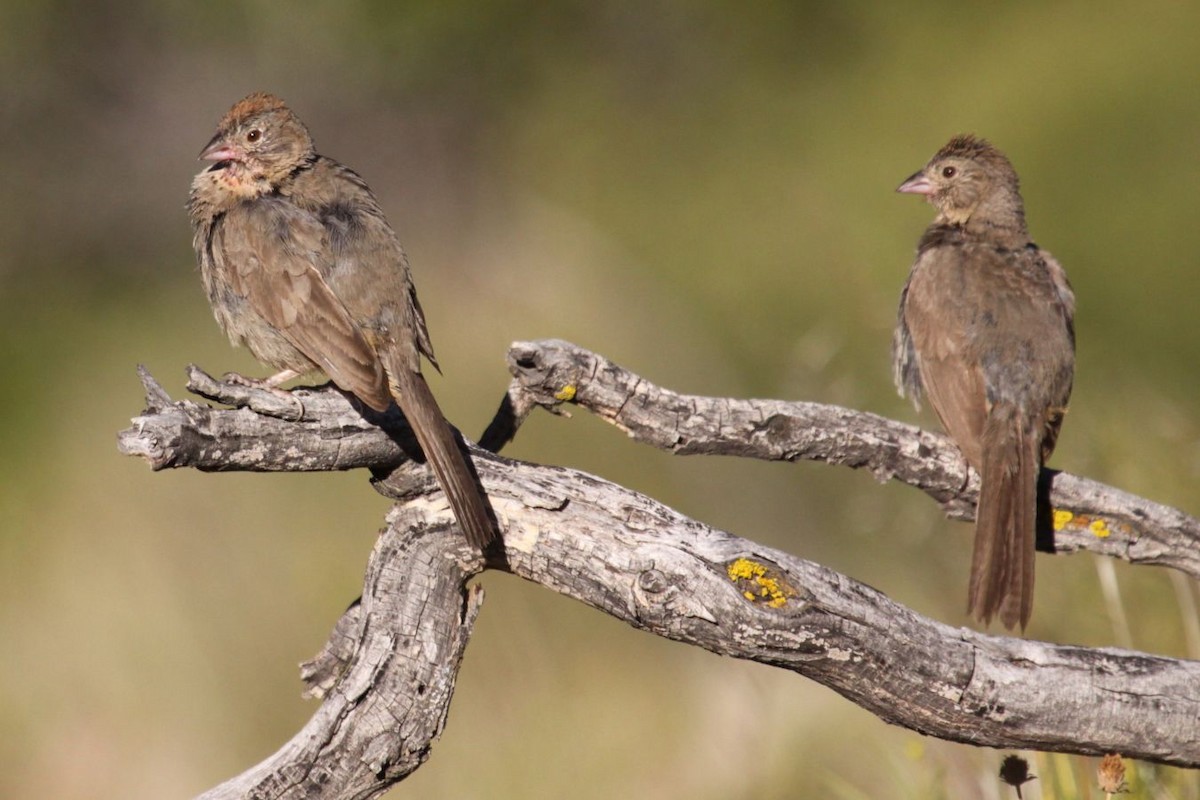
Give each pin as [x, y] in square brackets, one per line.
[279, 250]
[951, 377]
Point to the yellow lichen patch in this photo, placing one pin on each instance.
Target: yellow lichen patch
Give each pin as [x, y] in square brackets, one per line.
[566, 394]
[758, 583]
[745, 568]
[1098, 527]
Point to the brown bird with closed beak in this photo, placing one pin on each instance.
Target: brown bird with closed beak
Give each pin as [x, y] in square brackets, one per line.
[302, 268]
[986, 333]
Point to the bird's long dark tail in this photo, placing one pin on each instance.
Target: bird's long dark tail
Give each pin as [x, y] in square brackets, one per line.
[444, 454]
[1005, 521]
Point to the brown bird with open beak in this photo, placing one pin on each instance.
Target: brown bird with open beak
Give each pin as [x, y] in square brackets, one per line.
[302, 268]
[986, 333]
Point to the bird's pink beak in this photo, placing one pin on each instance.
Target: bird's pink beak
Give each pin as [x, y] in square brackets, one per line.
[917, 183]
[219, 150]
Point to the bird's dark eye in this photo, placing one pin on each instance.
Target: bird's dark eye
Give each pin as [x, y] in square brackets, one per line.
[254, 135]
[949, 172]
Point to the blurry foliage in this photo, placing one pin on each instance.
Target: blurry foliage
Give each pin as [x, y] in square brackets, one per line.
[700, 190]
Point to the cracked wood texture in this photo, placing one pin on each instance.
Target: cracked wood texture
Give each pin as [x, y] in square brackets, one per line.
[387, 675]
[1088, 515]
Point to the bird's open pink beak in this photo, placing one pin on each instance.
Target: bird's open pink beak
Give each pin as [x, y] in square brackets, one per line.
[917, 183]
[219, 150]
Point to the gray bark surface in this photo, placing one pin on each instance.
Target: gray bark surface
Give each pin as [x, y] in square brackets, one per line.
[387, 674]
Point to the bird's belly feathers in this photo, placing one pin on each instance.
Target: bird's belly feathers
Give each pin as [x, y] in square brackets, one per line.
[245, 327]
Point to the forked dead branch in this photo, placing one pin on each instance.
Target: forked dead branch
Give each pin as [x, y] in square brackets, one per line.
[384, 696]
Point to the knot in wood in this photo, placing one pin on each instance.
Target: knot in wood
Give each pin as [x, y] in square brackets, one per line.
[664, 600]
[653, 581]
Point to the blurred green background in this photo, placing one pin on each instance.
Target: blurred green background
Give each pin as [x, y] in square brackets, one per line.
[701, 191]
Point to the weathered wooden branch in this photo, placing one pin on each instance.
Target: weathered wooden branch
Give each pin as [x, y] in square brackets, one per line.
[387, 675]
[388, 672]
[1089, 515]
